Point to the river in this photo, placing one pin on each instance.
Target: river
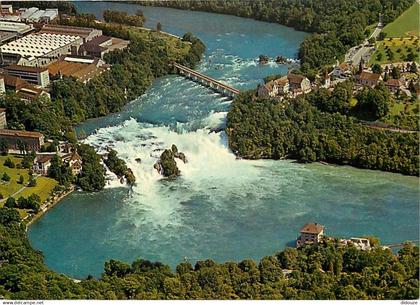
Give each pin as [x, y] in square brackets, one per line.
[220, 208]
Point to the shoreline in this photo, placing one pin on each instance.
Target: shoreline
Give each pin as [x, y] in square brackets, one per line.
[46, 207]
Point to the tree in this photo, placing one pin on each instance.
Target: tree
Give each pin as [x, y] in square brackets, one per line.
[4, 148]
[60, 171]
[10, 202]
[373, 102]
[381, 36]
[9, 163]
[395, 73]
[376, 68]
[413, 68]
[5, 177]
[32, 182]
[21, 179]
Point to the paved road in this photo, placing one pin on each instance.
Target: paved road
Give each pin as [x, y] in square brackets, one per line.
[356, 53]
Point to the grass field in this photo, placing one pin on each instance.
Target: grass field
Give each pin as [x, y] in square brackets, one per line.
[403, 114]
[7, 188]
[405, 25]
[43, 188]
[12, 186]
[399, 47]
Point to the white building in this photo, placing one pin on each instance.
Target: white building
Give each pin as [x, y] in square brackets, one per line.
[41, 15]
[38, 50]
[16, 27]
[28, 13]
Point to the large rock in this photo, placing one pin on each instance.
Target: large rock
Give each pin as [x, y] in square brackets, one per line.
[166, 165]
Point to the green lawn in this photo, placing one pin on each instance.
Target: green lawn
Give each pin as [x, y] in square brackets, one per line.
[405, 25]
[43, 188]
[9, 187]
[403, 114]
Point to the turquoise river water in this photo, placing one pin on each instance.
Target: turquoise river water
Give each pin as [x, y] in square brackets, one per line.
[220, 208]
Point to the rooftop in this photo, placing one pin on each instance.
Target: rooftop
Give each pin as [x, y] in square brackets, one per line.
[365, 75]
[38, 45]
[295, 78]
[67, 30]
[26, 68]
[18, 27]
[20, 133]
[312, 228]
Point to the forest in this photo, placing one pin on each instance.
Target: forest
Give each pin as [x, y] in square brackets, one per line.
[324, 271]
[298, 129]
[336, 25]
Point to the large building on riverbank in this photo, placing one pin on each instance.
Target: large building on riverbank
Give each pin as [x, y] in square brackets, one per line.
[38, 50]
[16, 139]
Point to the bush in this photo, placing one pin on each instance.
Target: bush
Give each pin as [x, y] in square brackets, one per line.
[5, 177]
[21, 179]
[9, 163]
[32, 182]
[10, 202]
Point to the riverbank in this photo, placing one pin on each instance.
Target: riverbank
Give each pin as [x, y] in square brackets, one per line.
[49, 205]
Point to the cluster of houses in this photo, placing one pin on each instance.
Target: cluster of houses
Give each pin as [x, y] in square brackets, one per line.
[287, 86]
[20, 141]
[366, 77]
[313, 233]
[292, 85]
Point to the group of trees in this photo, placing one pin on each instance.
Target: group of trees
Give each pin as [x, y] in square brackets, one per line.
[60, 171]
[33, 202]
[296, 129]
[92, 177]
[324, 271]
[119, 167]
[124, 18]
[336, 24]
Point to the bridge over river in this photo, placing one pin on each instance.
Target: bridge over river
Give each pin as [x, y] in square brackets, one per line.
[206, 81]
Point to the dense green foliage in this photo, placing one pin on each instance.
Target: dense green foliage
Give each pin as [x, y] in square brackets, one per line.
[60, 171]
[326, 271]
[264, 128]
[92, 177]
[124, 18]
[336, 24]
[119, 167]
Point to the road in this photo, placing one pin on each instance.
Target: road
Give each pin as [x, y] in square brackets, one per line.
[355, 54]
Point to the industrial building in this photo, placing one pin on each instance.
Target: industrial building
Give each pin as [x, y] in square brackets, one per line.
[34, 75]
[99, 46]
[39, 50]
[31, 140]
[87, 34]
[23, 89]
[83, 69]
[33, 14]
[15, 27]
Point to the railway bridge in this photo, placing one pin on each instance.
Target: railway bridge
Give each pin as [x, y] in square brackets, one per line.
[207, 81]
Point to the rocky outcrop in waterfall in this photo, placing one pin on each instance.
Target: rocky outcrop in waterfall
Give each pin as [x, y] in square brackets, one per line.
[166, 165]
